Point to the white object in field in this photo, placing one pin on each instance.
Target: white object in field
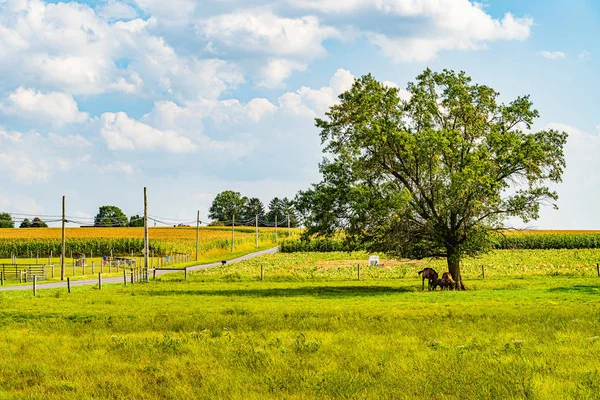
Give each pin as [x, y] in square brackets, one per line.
[373, 261]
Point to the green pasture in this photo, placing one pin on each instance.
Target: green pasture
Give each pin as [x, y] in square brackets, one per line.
[225, 334]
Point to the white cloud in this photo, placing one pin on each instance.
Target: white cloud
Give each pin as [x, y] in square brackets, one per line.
[68, 47]
[123, 133]
[277, 70]
[449, 25]
[287, 43]
[268, 34]
[69, 141]
[172, 12]
[114, 9]
[553, 55]
[58, 108]
[315, 102]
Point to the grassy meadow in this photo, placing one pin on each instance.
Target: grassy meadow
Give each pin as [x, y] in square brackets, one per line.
[312, 330]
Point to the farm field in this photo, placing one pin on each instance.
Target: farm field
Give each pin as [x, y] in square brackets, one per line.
[214, 242]
[301, 333]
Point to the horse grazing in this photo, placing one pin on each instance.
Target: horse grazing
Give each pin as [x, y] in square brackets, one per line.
[446, 282]
[432, 277]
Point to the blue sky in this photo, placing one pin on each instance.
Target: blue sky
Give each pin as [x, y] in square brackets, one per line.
[188, 98]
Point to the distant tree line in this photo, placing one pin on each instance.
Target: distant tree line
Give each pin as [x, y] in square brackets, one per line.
[6, 221]
[229, 205]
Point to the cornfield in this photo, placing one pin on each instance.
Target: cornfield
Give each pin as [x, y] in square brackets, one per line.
[122, 241]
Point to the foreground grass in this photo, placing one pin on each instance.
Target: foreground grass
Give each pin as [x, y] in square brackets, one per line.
[510, 337]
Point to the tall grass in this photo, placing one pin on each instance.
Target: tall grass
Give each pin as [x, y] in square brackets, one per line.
[511, 338]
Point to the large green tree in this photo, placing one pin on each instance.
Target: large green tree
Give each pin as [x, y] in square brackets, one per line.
[25, 224]
[6, 221]
[226, 205]
[432, 176]
[110, 216]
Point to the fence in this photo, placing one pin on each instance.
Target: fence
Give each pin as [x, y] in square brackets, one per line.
[24, 272]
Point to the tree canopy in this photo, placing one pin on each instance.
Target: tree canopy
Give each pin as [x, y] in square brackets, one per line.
[434, 175]
[253, 208]
[226, 205]
[25, 224]
[38, 223]
[136, 221]
[6, 221]
[110, 216]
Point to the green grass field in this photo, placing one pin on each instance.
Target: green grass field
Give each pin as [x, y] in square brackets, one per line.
[226, 334]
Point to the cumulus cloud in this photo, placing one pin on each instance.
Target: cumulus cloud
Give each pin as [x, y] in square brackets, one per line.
[287, 43]
[123, 133]
[55, 107]
[114, 9]
[449, 25]
[69, 47]
[553, 55]
[267, 33]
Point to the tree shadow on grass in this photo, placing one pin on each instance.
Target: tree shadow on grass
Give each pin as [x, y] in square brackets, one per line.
[313, 291]
[585, 289]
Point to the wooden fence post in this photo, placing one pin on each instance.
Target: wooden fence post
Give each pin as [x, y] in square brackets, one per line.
[262, 272]
[598, 269]
[185, 273]
[68, 285]
[34, 285]
[53, 270]
[359, 272]
[21, 277]
[2, 277]
[92, 267]
[154, 274]
[132, 277]
[124, 277]
[483, 272]
[99, 281]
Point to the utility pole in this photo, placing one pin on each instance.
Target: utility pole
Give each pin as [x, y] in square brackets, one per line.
[289, 231]
[197, 232]
[232, 235]
[257, 231]
[275, 226]
[146, 245]
[62, 247]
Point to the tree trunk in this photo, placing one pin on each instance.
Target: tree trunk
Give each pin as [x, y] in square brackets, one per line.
[454, 269]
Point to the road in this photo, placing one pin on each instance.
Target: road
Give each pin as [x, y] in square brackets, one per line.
[83, 282]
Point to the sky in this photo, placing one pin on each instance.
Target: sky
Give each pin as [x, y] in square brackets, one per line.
[99, 99]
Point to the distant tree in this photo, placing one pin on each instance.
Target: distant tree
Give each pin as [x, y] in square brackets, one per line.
[136, 221]
[275, 209]
[6, 221]
[38, 223]
[110, 216]
[226, 205]
[253, 208]
[25, 224]
[282, 208]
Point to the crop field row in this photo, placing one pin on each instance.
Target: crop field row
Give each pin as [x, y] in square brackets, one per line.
[121, 241]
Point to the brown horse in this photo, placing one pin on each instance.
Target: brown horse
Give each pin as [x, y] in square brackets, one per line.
[446, 282]
[432, 278]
